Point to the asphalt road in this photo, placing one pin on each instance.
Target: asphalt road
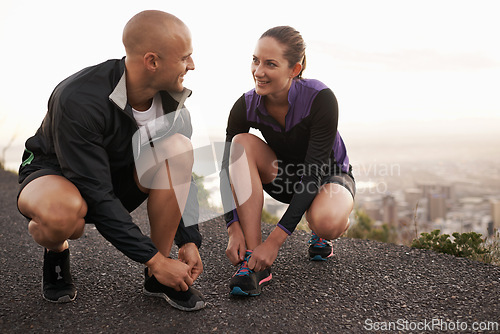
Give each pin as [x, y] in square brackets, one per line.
[365, 286]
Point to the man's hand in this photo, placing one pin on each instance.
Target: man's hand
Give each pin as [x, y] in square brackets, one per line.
[189, 254]
[170, 272]
[236, 246]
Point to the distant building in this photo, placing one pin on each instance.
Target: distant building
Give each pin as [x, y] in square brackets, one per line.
[437, 196]
[437, 207]
[495, 213]
[432, 188]
[412, 197]
[372, 208]
[389, 210]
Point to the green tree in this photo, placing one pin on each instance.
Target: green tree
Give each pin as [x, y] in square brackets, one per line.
[468, 244]
[363, 228]
[203, 194]
[269, 218]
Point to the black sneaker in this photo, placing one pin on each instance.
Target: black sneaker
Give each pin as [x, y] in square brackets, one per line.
[319, 249]
[190, 300]
[246, 282]
[57, 284]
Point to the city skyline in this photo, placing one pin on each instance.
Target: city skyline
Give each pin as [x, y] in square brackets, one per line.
[403, 73]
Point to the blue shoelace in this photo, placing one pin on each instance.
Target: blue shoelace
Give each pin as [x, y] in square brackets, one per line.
[244, 270]
[316, 241]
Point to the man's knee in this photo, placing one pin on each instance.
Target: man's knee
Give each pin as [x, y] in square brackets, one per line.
[63, 217]
[170, 160]
[177, 149]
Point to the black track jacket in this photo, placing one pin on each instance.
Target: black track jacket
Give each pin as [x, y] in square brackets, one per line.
[88, 132]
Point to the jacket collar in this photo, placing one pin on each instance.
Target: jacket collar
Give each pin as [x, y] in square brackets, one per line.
[119, 94]
[292, 96]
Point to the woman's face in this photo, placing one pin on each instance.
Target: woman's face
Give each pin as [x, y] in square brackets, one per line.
[270, 70]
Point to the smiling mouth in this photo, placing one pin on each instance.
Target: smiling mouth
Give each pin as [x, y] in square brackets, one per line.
[261, 82]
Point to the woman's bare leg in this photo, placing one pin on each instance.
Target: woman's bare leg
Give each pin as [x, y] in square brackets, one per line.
[328, 215]
[252, 163]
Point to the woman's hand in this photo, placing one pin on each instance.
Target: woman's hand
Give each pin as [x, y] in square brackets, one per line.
[263, 256]
[236, 246]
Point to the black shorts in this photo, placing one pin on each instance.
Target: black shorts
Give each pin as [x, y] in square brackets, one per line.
[282, 187]
[124, 185]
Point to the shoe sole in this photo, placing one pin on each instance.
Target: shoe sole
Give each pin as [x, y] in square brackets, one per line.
[61, 300]
[237, 291]
[318, 257]
[199, 304]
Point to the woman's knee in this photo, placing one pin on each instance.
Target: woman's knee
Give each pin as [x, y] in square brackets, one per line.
[328, 225]
[248, 149]
[240, 145]
[245, 143]
[245, 138]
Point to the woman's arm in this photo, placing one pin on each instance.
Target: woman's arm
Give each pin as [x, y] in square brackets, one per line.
[324, 113]
[237, 123]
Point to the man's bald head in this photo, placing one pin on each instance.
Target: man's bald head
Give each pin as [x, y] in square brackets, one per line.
[148, 31]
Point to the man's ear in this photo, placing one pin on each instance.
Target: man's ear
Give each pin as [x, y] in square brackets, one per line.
[296, 70]
[150, 61]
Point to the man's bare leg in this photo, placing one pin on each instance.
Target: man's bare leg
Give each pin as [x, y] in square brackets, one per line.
[56, 209]
[57, 212]
[167, 181]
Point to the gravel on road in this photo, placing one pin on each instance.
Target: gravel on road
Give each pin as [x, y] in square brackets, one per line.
[365, 286]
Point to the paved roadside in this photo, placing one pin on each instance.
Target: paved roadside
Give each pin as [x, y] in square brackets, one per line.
[366, 285]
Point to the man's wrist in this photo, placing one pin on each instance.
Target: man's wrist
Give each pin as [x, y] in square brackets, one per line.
[188, 244]
[152, 263]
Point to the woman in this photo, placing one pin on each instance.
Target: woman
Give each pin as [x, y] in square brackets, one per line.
[303, 161]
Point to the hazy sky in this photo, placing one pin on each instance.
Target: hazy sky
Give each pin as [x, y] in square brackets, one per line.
[388, 62]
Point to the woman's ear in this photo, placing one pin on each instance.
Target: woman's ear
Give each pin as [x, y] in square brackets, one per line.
[296, 70]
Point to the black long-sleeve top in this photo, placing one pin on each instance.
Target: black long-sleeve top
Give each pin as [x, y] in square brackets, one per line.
[309, 138]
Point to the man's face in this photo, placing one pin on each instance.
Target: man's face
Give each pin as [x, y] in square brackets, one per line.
[176, 61]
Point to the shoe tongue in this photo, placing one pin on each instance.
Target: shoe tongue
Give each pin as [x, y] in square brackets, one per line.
[247, 255]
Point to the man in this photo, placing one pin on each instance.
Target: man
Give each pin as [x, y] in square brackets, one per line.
[79, 167]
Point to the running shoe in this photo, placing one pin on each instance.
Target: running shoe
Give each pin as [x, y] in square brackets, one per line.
[57, 283]
[246, 282]
[319, 249]
[190, 300]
